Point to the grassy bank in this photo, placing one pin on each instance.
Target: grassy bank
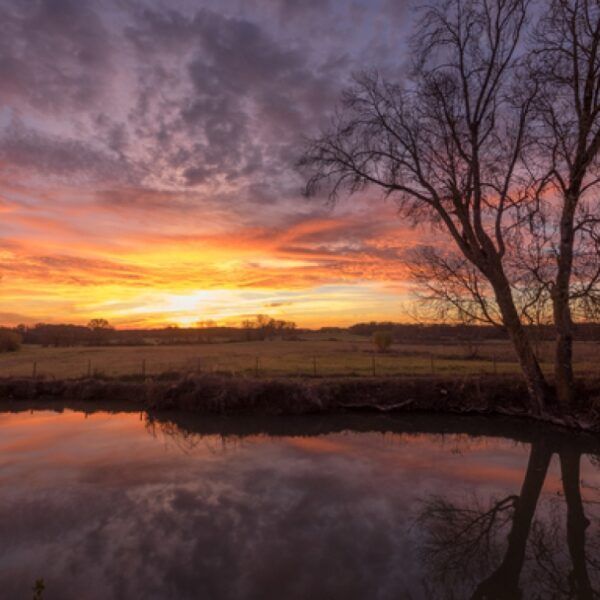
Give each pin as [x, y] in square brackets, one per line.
[221, 394]
[345, 356]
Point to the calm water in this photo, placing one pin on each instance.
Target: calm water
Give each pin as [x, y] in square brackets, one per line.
[120, 505]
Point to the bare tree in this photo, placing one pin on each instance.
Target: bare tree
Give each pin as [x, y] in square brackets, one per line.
[99, 324]
[565, 64]
[447, 147]
[101, 330]
[263, 327]
[460, 147]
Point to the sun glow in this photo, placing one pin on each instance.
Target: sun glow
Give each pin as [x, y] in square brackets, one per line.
[186, 321]
[130, 193]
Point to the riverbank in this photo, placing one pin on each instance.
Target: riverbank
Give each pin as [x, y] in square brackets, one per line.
[222, 394]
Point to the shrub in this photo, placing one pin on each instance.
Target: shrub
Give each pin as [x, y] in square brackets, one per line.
[10, 341]
[382, 340]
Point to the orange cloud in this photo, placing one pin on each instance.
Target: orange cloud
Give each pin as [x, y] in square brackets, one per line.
[70, 256]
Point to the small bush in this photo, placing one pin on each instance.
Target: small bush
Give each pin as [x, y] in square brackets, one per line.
[382, 340]
[10, 341]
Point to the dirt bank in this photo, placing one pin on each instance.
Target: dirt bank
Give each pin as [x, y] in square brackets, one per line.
[221, 394]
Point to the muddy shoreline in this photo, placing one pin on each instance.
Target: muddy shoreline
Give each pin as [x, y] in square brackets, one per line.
[224, 394]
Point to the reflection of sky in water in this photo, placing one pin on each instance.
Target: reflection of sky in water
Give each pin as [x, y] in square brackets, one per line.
[105, 506]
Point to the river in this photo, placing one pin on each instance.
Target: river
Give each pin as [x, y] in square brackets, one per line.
[99, 504]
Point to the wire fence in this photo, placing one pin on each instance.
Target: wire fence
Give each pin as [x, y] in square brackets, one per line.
[265, 366]
[275, 360]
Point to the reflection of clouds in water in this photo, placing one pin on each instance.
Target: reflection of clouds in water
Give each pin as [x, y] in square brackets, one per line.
[240, 533]
[181, 515]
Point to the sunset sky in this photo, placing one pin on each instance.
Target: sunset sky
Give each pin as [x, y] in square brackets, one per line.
[147, 156]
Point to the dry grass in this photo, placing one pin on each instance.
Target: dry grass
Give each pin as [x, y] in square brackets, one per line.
[345, 356]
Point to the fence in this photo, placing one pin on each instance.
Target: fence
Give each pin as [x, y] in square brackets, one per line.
[264, 366]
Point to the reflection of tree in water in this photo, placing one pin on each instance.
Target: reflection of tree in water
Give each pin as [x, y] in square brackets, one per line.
[462, 538]
[570, 570]
[187, 441]
[480, 552]
[518, 546]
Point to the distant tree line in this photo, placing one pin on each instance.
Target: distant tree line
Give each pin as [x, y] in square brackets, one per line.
[60, 335]
[99, 332]
[402, 332]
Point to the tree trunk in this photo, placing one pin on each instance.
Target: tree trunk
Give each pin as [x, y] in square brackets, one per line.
[563, 365]
[534, 378]
[563, 322]
[563, 357]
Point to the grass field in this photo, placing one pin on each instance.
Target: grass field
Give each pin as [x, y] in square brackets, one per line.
[312, 356]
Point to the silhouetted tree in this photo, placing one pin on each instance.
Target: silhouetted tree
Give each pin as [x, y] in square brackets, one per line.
[99, 324]
[460, 146]
[442, 146]
[10, 341]
[564, 64]
[263, 327]
[382, 340]
[101, 329]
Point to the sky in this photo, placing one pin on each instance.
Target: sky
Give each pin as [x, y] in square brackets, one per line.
[147, 162]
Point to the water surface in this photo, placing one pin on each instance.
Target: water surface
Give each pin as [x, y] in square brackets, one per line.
[108, 505]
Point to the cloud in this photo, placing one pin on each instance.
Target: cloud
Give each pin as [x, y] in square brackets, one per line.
[71, 270]
[34, 152]
[55, 54]
[148, 199]
[150, 146]
[242, 100]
